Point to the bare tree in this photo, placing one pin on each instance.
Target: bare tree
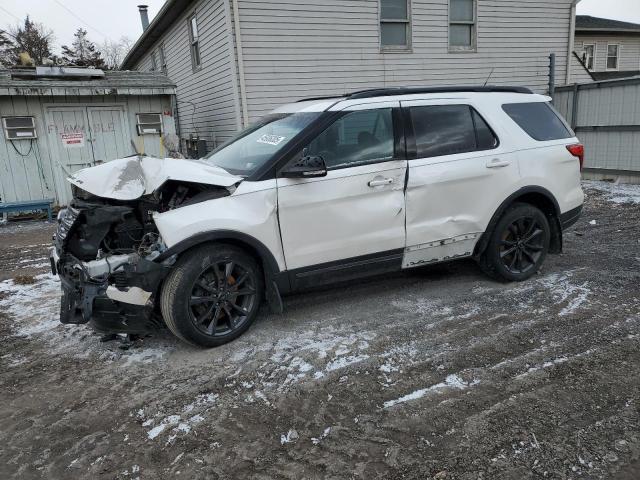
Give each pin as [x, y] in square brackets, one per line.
[6, 47]
[113, 52]
[31, 38]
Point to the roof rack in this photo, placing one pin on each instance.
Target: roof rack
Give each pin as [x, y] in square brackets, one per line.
[391, 91]
[387, 92]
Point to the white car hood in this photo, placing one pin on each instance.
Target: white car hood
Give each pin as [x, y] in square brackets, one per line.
[130, 178]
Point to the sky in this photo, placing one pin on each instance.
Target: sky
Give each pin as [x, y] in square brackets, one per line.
[116, 18]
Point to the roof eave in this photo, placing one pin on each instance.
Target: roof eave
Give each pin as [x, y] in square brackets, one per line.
[607, 30]
[170, 11]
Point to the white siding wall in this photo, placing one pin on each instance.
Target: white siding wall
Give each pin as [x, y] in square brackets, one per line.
[629, 51]
[206, 100]
[294, 48]
[579, 73]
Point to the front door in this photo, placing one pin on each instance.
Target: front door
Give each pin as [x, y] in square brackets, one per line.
[355, 216]
[459, 174]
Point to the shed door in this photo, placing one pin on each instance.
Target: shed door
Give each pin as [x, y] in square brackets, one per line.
[68, 135]
[108, 133]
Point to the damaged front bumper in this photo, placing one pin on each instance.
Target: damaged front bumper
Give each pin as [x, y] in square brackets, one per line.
[115, 294]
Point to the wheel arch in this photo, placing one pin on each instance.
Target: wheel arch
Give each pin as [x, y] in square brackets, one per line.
[248, 243]
[540, 198]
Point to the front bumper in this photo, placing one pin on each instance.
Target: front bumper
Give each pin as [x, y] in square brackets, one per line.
[122, 301]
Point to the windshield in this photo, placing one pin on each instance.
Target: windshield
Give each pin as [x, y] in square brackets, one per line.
[255, 146]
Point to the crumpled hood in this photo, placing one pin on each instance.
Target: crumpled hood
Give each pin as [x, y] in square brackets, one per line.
[130, 178]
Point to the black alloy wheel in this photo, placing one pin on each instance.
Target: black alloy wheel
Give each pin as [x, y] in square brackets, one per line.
[212, 295]
[222, 297]
[522, 245]
[518, 244]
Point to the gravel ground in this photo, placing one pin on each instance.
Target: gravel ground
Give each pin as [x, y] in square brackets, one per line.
[435, 373]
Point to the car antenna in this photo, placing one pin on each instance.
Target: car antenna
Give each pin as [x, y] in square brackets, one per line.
[487, 80]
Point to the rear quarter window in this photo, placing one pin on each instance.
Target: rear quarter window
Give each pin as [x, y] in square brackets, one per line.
[539, 120]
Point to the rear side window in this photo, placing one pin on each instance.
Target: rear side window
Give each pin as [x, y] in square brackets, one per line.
[450, 129]
[539, 120]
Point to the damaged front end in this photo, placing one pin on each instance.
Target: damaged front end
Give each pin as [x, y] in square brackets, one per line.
[106, 247]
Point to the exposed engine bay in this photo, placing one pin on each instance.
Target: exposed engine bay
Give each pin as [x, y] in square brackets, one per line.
[106, 250]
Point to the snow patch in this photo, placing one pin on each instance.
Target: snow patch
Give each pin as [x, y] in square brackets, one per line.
[453, 382]
[616, 193]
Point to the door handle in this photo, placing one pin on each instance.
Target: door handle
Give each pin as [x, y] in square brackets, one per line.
[380, 183]
[497, 163]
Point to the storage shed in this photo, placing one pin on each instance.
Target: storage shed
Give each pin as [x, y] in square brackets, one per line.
[57, 120]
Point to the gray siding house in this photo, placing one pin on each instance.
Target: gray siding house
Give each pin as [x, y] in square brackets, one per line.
[608, 49]
[235, 60]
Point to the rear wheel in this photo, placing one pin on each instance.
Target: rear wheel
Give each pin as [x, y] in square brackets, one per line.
[212, 295]
[518, 244]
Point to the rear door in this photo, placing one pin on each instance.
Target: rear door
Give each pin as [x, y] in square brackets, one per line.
[355, 216]
[459, 173]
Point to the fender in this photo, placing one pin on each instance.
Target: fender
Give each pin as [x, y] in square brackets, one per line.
[240, 238]
[275, 281]
[556, 230]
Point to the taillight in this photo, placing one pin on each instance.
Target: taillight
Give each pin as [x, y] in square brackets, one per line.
[577, 151]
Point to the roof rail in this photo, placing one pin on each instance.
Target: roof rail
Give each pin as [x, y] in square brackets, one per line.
[391, 91]
[324, 97]
[387, 92]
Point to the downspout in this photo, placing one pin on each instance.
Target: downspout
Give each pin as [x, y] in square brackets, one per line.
[232, 60]
[572, 38]
[243, 86]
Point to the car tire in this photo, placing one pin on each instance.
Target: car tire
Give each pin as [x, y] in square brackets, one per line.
[518, 244]
[212, 295]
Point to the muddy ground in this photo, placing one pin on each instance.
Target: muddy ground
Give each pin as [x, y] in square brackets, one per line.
[436, 373]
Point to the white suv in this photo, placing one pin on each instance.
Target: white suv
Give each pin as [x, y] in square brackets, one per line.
[319, 191]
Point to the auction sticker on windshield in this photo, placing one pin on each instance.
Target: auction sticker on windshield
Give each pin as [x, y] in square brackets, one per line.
[271, 139]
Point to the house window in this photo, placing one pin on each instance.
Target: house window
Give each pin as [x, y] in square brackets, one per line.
[149, 123]
[19, 128]
[395, 26]
[588, 56]
[154, 62]
[195, 43]
[613, 57]
[462, 25]
[163, 59]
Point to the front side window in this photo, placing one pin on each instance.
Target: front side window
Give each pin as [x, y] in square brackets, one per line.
[588, 56]
[259, 143]
[450, 129]
[195, 42]
[154, 62]
[358, 138]
[462, 24]
[395, 26]
[539, 120]
[613, 55]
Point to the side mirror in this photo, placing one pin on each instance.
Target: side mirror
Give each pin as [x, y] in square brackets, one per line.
[309, 166]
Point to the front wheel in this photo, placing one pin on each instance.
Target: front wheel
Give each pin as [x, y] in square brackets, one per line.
[212, 295]
[518, 244]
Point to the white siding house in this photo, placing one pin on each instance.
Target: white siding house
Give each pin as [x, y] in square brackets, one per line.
[609, 49]
[235, 60]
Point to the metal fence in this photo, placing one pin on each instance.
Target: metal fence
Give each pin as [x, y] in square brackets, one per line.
[606, 117]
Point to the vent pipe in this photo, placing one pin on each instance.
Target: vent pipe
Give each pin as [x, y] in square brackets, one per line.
[144, 16]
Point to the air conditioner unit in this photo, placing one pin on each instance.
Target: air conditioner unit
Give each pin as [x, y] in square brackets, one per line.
[149, 123]
[19, 128]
